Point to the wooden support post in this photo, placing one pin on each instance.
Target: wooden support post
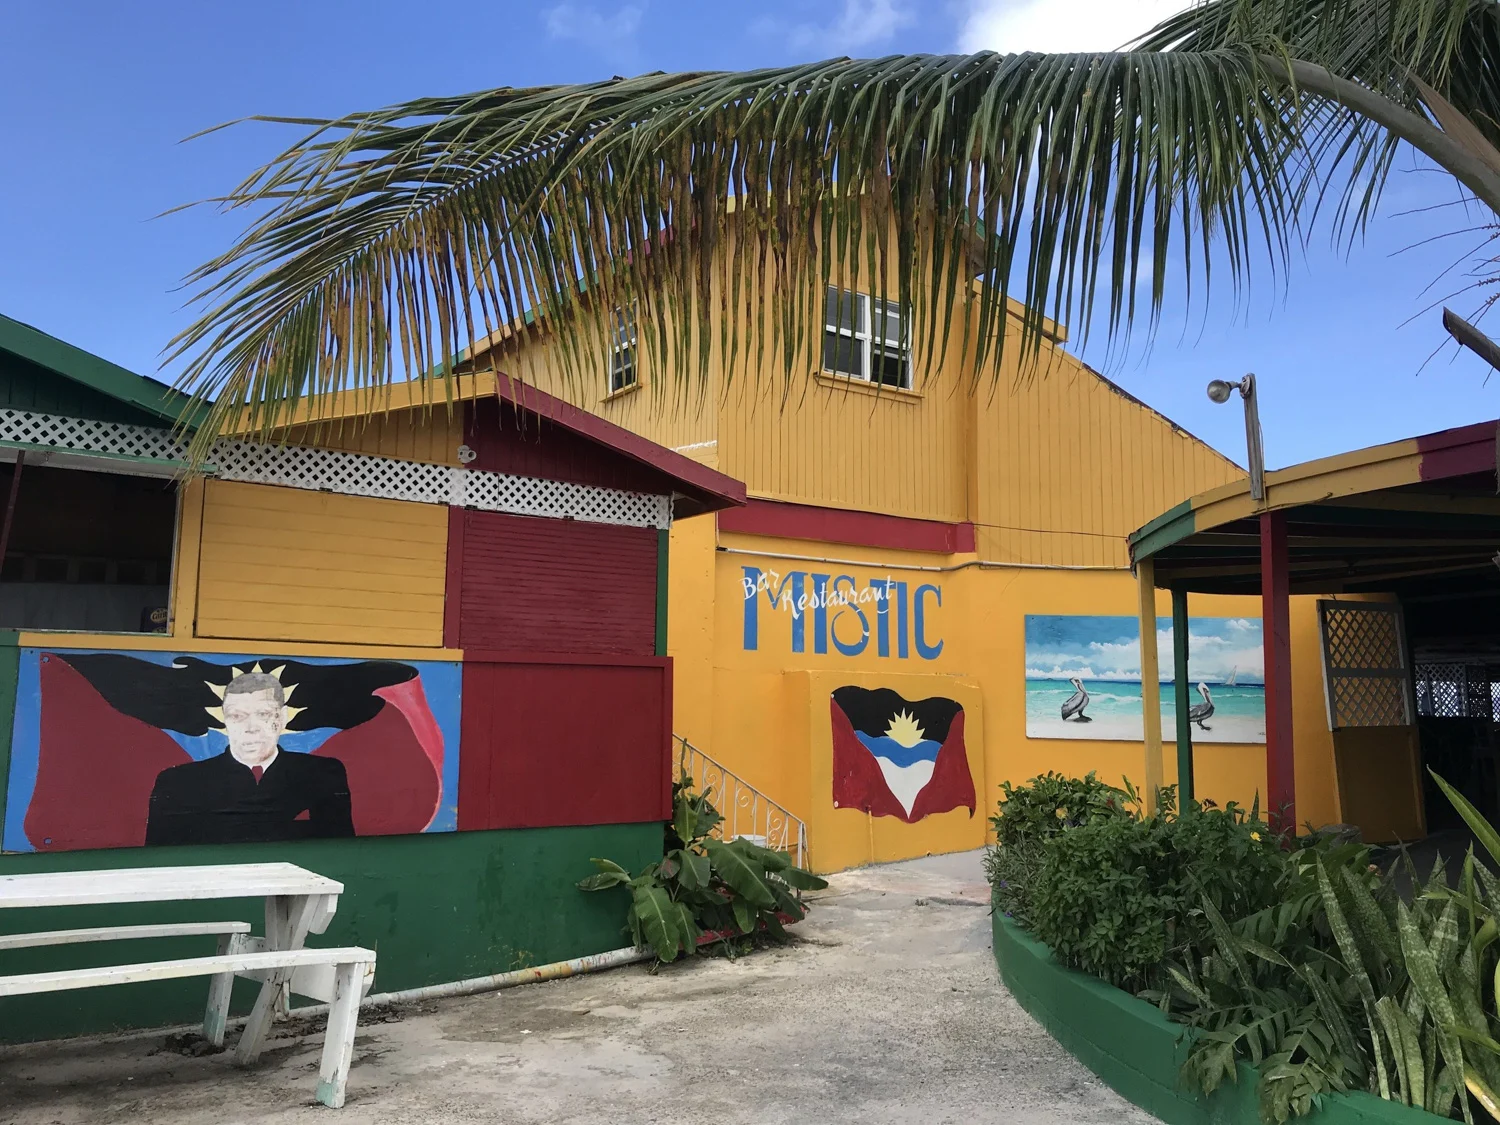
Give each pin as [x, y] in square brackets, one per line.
[1150, 680]
[1275, 592]
[1184, 692]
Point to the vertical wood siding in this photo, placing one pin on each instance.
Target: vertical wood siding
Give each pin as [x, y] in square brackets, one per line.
[549, 744]
[529, 584]
[286, 564]
[681, 416]
[1069, 465]
[1055, 466]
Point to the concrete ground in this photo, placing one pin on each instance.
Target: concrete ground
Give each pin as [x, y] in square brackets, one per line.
[886, 1008]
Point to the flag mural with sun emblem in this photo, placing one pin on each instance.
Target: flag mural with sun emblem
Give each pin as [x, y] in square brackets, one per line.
[117, 750]
[898, 757]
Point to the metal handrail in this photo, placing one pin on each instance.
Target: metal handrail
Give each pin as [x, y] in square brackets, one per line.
[746, 810]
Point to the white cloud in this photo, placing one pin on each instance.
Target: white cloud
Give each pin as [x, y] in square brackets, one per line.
[1060, 25]
[611, 34]
[861, 25]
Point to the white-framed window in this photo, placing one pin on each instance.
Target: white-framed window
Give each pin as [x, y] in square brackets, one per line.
[622, 369]
[866, 338]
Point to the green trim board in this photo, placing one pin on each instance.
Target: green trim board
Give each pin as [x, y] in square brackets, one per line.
[92, 371]
[1138, 1052]
[10, 667]
[435, 908]
[1181, 639]
[663, 550]
[1172, 526]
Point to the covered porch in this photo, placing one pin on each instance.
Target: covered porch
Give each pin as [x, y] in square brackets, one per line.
[1399, 544]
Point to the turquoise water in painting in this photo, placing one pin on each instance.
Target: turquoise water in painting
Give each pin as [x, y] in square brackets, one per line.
[1115, 708]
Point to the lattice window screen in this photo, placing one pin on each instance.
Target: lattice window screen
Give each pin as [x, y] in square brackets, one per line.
[1456, 691]
[1365, 671]
[353, 474]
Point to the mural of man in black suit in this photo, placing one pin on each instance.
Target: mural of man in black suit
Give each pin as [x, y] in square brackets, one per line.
[254, 790]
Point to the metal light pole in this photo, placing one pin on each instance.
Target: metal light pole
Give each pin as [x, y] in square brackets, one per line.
[1219, 391]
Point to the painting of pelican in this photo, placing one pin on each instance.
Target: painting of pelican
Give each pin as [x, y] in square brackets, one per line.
[1076, 703]
[1083, 679]
[1201, 712]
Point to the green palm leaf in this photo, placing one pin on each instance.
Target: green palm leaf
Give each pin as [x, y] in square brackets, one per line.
[382, 243]
[659, 919]
[742, 873]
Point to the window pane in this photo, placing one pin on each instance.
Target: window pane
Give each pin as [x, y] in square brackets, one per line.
[843, 354]
[622, 369]
[624, 328]
[888, 323]
[842, 310]
[889, 365]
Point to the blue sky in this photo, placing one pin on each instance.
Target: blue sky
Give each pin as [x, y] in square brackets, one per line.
[96, 98]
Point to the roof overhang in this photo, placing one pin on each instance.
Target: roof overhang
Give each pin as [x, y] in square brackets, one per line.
[1417, 512]
[94, 372]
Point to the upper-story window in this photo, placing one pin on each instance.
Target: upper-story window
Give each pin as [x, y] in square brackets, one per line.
[866, 338]
[622, 372]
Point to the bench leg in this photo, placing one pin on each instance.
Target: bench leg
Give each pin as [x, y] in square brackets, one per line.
[219, 989]
[258, 1026]
[338, 1042]
[287, 922]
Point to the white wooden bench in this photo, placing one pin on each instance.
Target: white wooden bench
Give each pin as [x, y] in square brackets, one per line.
[353, 972]
[297, 902]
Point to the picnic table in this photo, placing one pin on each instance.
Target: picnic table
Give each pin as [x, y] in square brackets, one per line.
[297, 903]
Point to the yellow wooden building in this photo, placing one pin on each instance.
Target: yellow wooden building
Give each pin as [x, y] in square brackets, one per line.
[909, 527]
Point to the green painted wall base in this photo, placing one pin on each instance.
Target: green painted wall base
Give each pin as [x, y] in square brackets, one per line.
[1138, 1052]
[436, 908]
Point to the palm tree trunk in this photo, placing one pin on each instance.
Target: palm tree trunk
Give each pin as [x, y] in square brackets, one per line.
[1467, 167]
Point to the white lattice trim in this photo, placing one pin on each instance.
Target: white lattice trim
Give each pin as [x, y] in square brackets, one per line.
[328, 470]
[353, 474]
[529, 496]
[88, 435]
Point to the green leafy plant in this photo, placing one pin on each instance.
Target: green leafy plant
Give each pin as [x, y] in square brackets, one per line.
[1345, 983]
[703, 885]
[1114, 892]
[1029, 816]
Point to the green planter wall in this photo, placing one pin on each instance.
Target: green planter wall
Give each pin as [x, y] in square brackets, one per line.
[440, 907]
[1138, 1052]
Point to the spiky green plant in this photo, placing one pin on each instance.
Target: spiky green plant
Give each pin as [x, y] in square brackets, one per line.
[380, 244]
[1344, 985]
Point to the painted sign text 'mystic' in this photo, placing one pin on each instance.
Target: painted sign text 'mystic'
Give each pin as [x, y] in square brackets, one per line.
[837, 610]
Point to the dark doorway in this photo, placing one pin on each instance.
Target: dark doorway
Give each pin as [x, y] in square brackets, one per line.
[88, 551]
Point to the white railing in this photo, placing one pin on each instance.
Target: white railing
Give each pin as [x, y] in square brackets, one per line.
[746, 810]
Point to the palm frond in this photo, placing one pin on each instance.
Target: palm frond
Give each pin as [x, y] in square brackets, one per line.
[380, 244]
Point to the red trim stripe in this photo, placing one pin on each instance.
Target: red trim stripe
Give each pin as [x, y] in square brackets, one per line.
[1459, 452]
[838, 525]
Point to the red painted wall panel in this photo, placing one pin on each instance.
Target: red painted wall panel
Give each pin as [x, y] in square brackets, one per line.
[530, 584]
[507, 441]
[548, 742]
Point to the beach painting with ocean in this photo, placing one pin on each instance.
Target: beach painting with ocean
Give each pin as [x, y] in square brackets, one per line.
[1083, 678]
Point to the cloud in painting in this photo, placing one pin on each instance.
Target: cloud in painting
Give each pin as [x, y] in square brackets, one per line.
[1108, 649]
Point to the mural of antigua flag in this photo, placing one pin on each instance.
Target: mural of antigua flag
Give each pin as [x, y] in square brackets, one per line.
[96, 732]
[898, 757]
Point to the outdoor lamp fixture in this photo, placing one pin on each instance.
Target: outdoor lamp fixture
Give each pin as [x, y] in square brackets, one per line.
[1219, 391]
